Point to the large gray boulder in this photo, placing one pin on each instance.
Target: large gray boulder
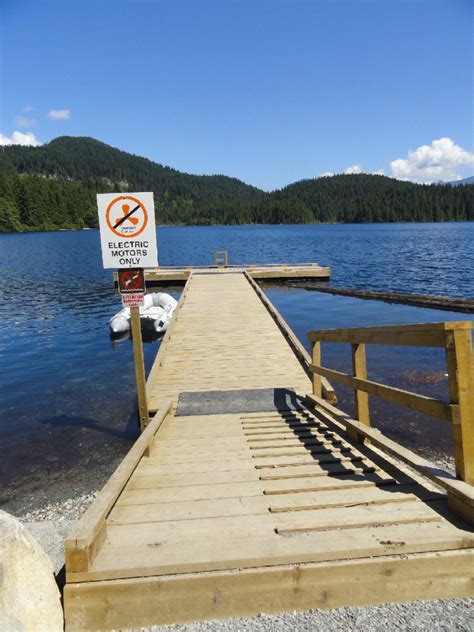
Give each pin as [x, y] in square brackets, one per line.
[29, 597]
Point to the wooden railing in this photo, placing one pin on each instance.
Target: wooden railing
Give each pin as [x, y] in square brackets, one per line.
[221, 258]
[303, 356]
[88, 535]
[456, 339]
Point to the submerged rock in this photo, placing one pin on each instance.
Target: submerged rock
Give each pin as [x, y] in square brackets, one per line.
[29, 597]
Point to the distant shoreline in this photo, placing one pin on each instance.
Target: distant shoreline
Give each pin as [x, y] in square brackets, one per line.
[87, 228]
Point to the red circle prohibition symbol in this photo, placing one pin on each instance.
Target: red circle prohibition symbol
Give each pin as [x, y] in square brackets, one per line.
[131, 280]
[121, 216]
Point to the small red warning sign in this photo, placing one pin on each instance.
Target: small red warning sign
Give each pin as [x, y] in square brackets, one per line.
[131, 281]
[133, 300]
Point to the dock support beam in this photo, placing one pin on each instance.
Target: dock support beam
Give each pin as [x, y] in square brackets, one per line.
[139, 368]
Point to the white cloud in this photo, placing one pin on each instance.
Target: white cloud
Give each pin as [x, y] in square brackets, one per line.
[23, 121]
[19, 138]
[353, 169]
[379, 172]
[429, 163]
[59, 115]
[349, 170]
[27, 109]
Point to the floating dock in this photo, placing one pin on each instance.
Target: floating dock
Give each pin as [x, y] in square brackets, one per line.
[247, 493]
[170, 275]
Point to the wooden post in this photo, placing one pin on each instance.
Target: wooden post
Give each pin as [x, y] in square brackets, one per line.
[461, 385]
[316, 360]
[359, 369]
[139, 367]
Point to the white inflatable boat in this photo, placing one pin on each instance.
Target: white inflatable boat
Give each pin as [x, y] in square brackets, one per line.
[157, 311]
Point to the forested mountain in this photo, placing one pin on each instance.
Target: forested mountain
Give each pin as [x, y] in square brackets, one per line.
[180, 197]
[469, 180]
[54, 186]
[370, 198]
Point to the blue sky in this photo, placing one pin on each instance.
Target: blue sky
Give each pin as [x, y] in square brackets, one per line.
[266, 91]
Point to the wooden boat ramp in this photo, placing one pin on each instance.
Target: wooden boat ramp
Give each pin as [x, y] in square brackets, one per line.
[249, 491]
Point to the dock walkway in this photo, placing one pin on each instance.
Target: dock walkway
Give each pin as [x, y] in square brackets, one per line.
[245, 495]
[223, 338]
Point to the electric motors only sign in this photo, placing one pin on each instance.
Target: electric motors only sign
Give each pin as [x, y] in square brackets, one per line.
[127, 230]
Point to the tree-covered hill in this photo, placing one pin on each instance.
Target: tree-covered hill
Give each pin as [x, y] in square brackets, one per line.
[54, 186]
[373, 198]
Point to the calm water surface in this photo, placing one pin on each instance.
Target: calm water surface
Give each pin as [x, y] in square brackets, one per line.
[67, 405]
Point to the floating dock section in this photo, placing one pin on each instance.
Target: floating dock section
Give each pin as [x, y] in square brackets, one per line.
[246, 493]
[170, 275]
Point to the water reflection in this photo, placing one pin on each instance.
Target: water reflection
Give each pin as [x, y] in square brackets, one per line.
[67, 408]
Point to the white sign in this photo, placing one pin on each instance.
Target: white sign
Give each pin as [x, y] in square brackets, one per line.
[133, 300]
[127, 230]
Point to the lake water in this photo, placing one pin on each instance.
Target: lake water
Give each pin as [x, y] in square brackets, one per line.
[67, 392]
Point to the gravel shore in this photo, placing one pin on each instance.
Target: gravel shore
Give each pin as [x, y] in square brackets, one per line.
[419, 616]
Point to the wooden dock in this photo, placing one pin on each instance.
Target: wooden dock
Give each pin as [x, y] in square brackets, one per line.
[172, 275]
[249, 492]
[223, 317]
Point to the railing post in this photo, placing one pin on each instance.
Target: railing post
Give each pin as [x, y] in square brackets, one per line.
[316, 360]
[461, 385]
[359, 369]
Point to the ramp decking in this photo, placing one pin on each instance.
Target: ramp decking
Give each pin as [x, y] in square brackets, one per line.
[223, 338]
[239, 501]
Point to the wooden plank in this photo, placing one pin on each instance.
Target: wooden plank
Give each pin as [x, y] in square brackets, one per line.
[85, 539]
[421, 403]
[195, 457]
[350, 498]
[222, 553]
[422, 335]
[325, 483]
[343, 467]
[154, 534]
[284, 421]
[157, 467]
[310, 451]
[259, 445]
[306, 459]
[263, 525]
[459, 489]
[148, 496]
[159, 480]
[365, 517]
[164, 512]
[218, 595]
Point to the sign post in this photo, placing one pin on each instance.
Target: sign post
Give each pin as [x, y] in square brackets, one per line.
[139, 367]
[131, 284]
[128, 241]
